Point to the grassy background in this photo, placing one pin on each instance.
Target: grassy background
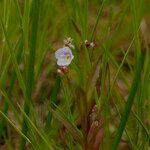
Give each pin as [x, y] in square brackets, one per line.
[103, 100]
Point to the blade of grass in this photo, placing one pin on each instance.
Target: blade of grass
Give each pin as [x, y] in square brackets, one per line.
[136, 19]
[30, 68]
[103, 96]
[52, 100]
[129, 103]
[97, 19]
[71, 128]
[14, 60]
[141, 123]
[85, 23]
[19, 11]
[6, 16]
[119, 68]
[43, 45]
[25, 28]
[126, 131]
[11, 84]
[82, 107]
[14, 126]
[134, 115]
[35, 128]
[9, 101]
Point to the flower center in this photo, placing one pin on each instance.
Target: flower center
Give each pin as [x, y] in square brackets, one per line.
[68, 56]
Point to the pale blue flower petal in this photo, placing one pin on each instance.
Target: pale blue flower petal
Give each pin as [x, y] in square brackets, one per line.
[64, 56]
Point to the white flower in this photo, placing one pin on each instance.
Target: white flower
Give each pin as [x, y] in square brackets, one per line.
[64, 56]
[68, 42]
[92, 44]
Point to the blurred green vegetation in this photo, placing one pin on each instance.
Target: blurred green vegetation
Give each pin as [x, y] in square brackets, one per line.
[102, 102]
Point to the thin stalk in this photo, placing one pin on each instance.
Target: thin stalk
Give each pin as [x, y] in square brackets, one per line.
[97, 19]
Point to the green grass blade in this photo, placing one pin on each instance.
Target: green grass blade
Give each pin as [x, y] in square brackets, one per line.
[35, 128]
[130, 100]
[71, 128]
[13, 125]
[11, 84]
[14, 60]
[97, 19]
[53, 99]
[30, 68]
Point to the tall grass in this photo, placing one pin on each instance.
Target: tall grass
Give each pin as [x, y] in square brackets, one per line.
[101, 102]
[35, 8]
